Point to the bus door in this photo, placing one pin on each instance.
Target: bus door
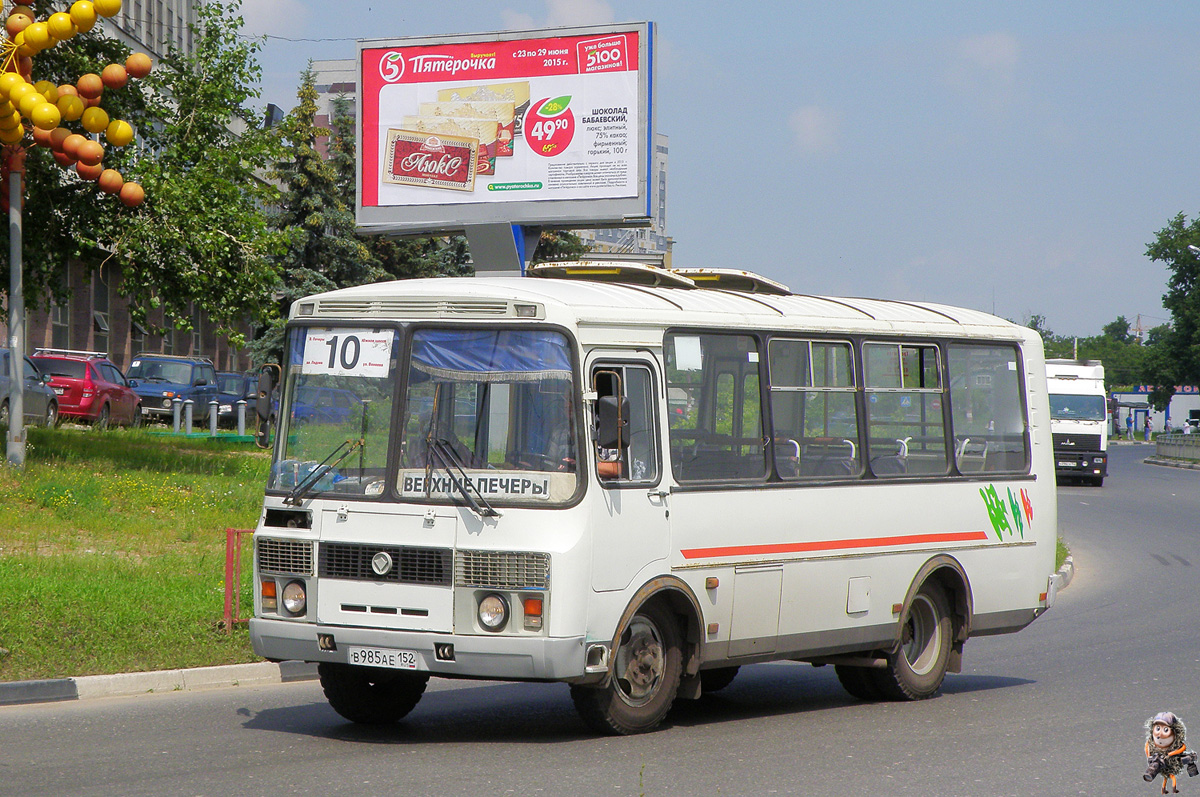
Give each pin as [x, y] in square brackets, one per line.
[718, 455]
[629, 520]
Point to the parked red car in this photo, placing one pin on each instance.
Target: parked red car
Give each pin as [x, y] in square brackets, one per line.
[90, 387]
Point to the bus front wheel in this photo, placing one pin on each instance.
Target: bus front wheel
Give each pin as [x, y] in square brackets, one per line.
[371, 696]
[647, 666]
[916, 668]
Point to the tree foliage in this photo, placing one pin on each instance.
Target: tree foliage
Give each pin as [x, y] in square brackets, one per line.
[65, 217]
[1126, 359]
[399, 258]
[200, 239]
[558, 245]
[1177, 359]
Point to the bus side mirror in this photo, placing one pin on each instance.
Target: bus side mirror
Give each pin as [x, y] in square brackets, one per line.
[263, 410]
[612, 422]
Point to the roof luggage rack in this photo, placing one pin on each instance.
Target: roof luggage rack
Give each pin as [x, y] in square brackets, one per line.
[633, 273]
[621, 271]
[40, 350]
[734, 280]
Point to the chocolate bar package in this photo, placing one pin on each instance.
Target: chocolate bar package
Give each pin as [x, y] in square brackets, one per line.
[485, 131]
[517, 93]
[503, 112]
[434, 161]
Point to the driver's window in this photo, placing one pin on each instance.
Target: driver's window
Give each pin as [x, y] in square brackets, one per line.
[638, 463]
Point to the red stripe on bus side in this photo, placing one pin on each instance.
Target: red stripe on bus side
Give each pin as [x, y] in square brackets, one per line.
[833, 545]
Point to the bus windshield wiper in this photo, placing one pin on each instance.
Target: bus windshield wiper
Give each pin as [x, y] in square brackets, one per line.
[305, 486]
[451, 463]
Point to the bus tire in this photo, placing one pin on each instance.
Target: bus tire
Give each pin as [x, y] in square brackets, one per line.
[859, 682]
[716, 679]
[918, 664]
[647, 667]
[370, 696]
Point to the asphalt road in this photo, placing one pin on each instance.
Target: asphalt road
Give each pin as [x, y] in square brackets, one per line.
[1057, 709]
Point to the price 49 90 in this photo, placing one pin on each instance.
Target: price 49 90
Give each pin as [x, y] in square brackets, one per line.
[549, 126]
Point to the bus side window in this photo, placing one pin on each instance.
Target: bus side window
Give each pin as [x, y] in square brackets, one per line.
[988, 412]
[813, 409]
[637, 462]
[715, 407]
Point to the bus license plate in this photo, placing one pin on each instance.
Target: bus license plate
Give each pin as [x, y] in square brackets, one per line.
[382, 657]
[1066, 464]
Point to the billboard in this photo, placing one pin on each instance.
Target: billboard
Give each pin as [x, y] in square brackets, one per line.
[550, 127]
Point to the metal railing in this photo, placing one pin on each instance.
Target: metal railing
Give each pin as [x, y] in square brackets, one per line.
[1178, 446]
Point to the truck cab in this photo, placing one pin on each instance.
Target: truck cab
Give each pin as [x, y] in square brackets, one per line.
[1078, 418]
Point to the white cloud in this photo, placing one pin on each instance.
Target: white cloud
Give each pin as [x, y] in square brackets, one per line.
[276, 17]
[984, 67]
[561, 13]
[996, 53]
[515, 20]
[815, 129]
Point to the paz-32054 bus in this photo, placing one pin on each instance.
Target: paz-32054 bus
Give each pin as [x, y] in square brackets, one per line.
[634, 481]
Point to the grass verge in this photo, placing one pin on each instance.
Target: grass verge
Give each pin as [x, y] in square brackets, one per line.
[112, 552]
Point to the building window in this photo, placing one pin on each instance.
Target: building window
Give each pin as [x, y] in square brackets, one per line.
[100, 308]
[197, 332]
[60, 326]
[137, 337]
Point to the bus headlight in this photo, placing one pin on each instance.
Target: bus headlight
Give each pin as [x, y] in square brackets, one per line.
[493, 612]
[294, 599]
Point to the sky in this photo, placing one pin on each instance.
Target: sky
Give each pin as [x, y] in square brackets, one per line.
[1012, 157]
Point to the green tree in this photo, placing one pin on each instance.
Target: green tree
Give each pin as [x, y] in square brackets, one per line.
[1118, 330]
[399, 258]
[200, 239]
[558, 245]
[1177, 358]
[322, 251]
[65, 218]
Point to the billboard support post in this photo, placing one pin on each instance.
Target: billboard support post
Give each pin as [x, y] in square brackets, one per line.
[501, 247]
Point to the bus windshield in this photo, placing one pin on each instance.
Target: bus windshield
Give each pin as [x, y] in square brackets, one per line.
[1065, 407]
[490, 413]
[335, 420]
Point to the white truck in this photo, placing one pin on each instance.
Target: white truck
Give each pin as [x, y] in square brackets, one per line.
[1078, 418]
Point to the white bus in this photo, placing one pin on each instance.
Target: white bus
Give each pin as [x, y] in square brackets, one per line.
[634, 482]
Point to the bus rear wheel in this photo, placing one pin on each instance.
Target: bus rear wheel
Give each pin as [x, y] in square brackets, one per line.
[860, 682]
[371, 696]
[918, 665]
[647, 667]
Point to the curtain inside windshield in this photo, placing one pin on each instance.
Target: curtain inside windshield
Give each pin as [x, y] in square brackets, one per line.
[495, 407]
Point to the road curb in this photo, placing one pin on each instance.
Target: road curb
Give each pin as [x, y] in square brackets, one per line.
[1065, 573]
[1172, 463]
[88, 687]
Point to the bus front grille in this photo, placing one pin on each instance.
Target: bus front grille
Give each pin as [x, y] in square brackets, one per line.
[502, 570]
[408, 565]
[284, 556]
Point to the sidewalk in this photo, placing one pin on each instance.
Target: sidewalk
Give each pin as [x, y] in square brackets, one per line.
[139, 683]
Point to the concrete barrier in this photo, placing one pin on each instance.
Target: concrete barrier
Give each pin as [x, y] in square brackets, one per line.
[1178, 446]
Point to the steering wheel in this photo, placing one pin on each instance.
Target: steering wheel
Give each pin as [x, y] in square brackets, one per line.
[537, 461]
